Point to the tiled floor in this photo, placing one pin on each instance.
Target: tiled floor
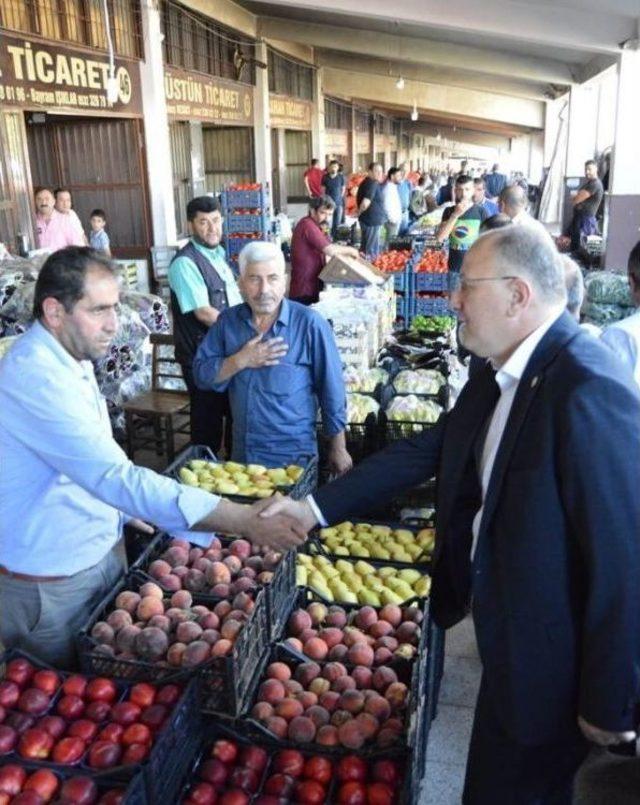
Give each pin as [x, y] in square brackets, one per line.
[603, 780]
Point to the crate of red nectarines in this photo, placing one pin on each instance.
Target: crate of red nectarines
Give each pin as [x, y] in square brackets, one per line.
[228, 568]
[139, 633]
[24, 783]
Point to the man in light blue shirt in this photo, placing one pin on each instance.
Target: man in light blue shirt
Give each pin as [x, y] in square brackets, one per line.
[623, 337]
[280, 363]
[66, 487]
[405, 189]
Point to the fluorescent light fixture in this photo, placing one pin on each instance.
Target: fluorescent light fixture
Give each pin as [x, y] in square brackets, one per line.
[400, 83]
[414, 112]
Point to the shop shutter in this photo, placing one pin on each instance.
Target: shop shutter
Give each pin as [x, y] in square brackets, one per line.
[181, 167]
[228, 156]
[297, 150]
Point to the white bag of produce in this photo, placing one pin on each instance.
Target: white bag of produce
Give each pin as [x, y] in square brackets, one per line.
[418, 381]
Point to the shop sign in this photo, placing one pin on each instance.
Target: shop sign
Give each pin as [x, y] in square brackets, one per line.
[393, 142]
[36, 75]
[289, 113]
[363, 142]
[209, 99]
[336, 141]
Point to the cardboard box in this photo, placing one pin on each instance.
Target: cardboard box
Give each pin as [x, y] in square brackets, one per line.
[353, 270]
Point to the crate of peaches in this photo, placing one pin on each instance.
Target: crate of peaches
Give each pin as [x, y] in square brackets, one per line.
[141, 633]
[235, 770]
[25, 783]
[225, 569]
[96, 724]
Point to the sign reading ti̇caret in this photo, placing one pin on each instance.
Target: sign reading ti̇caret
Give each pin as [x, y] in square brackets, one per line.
[209, 99]
[289, 113]
[41, 75]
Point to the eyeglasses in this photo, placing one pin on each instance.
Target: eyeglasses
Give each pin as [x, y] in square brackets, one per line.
[462, 283]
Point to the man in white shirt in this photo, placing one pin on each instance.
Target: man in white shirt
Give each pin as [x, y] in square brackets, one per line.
[391, 202]
[64, 205]
[623, 337]
[513, 202]
[540, 539]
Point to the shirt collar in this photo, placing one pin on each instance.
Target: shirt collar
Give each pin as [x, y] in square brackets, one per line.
[82, 368]
[214, 253]
[284, 316]
[514, 367]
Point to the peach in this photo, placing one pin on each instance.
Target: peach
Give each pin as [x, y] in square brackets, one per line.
[386, 738]
[350, 735]
[199, 610]
[170, 583]
[175, 653]
[383, 677]
[176, 615]
[271, 560]
[329, 700]
[327, 736]
[201, 564]
[148, 607]
[242, 585]
[319, 686]
[288, 709]
[318, 715]
[365, 618]
[339, 717]
[126, 637]
[238, 615]
[378, 706]
[293, 687]
[412, 614]
[210, 636]
[382, 656]
[243, 602]
[316, 648]
[317, 612]
[387, 642]
[306, 672]
[127, 600]
[338, 653]
[176, 555]
[218, 573]
[221, 590]
[161, 622]
[278, 726]
[233, 564]
[240, 548]
[222, 648]
[380, 629]
[301, 730]
[362, 676]
[188, 632]
[265, 577]
[272, 691]
[179, 543]
[337, 617]
[278, 670]
[294, 643]
[344, 683]
[180, 571]
[182, 599]
[151, 589]
[392, 614]
[396, 694]
[262, 711]
[352, 701]
[195, 581]
[152, 643]
[222, 609]
[307, 698]
[298, 622]
[360, 654]
[230, 629]
[353, 636]
[195, 553]
[368, 725]
[103, 633]
[408, 632]
[159, 568]
[333, 671]
[307, 634]
[331, 636]
[209, 621]
[118, 619]
[254, 563]
[196, 653]
[393, 724]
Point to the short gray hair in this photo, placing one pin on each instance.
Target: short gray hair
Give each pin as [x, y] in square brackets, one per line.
[523, 250]
[260, 251]
[575, 284]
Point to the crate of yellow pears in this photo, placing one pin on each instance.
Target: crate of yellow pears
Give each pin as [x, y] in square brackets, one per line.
[379, 541]
[360, 582]
[197, 466]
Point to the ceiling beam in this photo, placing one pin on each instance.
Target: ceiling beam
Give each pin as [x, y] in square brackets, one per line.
[417, 50]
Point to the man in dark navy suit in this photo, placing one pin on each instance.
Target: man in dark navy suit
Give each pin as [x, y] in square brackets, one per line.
[538, 523]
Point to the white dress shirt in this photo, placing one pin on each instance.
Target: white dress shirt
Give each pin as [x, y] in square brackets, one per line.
[391, 202]
[623, 338]
[507, 378]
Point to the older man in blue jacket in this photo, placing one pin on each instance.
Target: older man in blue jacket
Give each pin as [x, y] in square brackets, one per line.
[538, 523]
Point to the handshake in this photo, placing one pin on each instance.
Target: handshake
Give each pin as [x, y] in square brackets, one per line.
[278, 522]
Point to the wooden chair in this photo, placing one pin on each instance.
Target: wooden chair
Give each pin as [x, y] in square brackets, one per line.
[154, 418]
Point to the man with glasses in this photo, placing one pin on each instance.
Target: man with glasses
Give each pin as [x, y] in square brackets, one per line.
[202, 285]
[538, 523]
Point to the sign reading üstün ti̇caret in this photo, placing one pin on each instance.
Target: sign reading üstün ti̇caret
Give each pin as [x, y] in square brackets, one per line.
[289, 113]
[41, 75]
[209, 99]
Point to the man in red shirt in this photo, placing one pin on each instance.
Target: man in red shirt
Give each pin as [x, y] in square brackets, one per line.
[310, 249]
[313, 179]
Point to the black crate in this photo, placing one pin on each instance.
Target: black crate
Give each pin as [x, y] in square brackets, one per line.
[277, 594]
[304, 486]
[393, 431]
[225, 682]
[362, 439]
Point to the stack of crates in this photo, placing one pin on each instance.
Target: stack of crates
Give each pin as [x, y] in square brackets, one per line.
[427, 292]
[246, 217]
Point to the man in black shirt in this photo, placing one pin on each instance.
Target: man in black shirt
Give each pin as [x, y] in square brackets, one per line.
[370, 210]
[461, 223]
[585, 205]
[334, 187]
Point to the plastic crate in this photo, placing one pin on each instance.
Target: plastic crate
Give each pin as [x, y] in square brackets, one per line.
[431, 307]
[235, 245]
[247, 223]
[437, 283]
[237, 199]
[393, 431]
[225, 682]
[304, 486]
[400, 281]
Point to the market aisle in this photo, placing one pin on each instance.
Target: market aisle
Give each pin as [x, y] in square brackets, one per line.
[451, 730]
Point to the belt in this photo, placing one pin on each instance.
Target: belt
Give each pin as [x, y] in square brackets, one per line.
[26, 577]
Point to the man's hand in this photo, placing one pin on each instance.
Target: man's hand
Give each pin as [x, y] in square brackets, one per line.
[339, 461]
[140, 525]
[461, 207]
[256, 352]
[281, 531]
[299, 509]
[603, 737]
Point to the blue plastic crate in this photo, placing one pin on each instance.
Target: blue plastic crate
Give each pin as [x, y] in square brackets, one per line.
[400, 281]
[431, 282]
[431, 307]
[247, 223]
[236, 199]
[236, 245]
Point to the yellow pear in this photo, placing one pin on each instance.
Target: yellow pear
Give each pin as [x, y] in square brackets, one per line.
[233, 466]
[263, 493]
[294, 471]
[227, 488]
[358, 549]
[373, 583]
[341, 550]
[409, 575]
[380, 530]
[301, 576]
[256, 469]
[364, 568]
[385, 572]
[387, 596]
[422, 587]
[378, 552]
[368, 597]
[198, 464]
[187, 477]
[404, 537]
[344, 566]
[325, 533]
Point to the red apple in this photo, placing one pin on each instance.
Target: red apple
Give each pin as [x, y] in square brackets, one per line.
[19, 671]
[135, 753]
[319, 769]
[254, 757]
[226, 751]
[290, 762]
[351, 768]
[385, 771]
[35, 743]
[202, 794]
[137, 734]
[12, 778]
[154, 716]
[43, 782]
[83, 728]
[142, 694]
[214, 771]
[79, 791]
[245, 778]
[168, 694]
[279, 785]
[70, 707]
[27, 798]
[112, 732]
[125, 713]
[380, 794]
[104, 755]
[113, 797]
[310, 792]
[3, 713]
[8, 739]
[33, 701]
[75, 685]
[97, 711]
[9, 693]
[101, 689]
[46, 681]
[352, 793]
[54, 725]
[234, 796]
[68, 750]
[20, 722]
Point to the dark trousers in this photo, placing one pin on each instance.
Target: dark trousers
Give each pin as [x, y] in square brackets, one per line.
[581, 224]
[209, 409]
[370, 243]
[501, 771]
[336, 220]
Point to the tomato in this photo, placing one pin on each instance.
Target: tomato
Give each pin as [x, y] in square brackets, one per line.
[310, 792]
[319, 769]
[379, 794]
[351, 767]
[352, 793]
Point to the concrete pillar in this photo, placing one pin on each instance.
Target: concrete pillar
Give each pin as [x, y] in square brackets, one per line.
[581, 141]
[317, 119]
[623, 202]
[353, 142]
[197, 159]
[262, 124]
[156, 129]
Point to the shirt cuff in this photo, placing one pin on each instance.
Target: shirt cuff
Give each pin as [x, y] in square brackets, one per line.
[200, 538]
[196, 504]
[316, 511]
